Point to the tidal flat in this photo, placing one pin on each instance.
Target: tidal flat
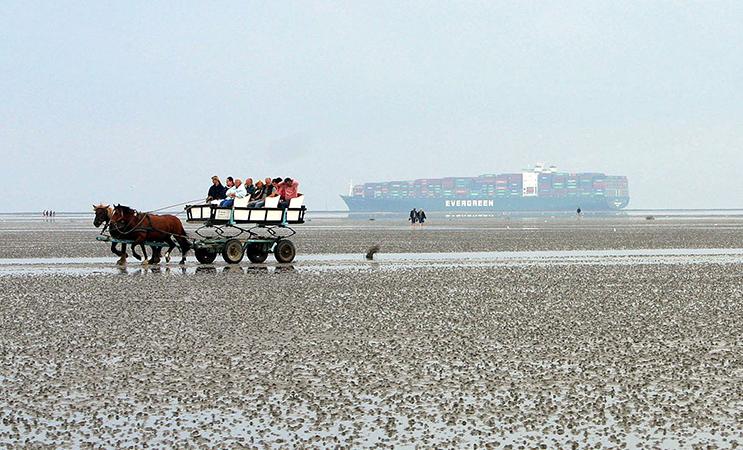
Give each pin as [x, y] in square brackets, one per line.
[566, 352]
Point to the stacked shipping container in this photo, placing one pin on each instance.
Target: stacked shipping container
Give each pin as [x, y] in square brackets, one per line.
[504, 185]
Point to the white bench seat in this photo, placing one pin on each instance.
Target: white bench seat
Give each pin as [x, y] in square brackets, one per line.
[240, 213]
[295, 205]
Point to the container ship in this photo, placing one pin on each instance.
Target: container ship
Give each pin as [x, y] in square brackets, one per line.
[539, 189]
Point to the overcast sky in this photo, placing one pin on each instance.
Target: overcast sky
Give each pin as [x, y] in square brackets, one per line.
[141, 102]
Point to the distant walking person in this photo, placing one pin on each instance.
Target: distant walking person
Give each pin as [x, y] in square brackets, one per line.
[421, 216]
[413, 217]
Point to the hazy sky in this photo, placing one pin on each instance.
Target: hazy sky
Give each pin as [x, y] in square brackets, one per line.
[141, 102]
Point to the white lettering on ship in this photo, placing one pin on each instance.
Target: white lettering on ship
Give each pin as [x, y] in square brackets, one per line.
[468, 203]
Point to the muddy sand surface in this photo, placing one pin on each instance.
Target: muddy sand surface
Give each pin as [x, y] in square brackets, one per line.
[76, 238]
[560, 350]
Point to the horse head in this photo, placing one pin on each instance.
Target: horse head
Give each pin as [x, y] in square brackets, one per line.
[122, 216]
[102, 214]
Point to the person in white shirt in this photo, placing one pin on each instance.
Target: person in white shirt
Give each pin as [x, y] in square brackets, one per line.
[236, 191]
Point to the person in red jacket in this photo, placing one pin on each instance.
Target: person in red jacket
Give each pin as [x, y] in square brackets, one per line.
[288, 190]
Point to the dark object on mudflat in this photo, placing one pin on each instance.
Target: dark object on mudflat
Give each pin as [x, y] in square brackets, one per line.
[372, 250]
[649, 217]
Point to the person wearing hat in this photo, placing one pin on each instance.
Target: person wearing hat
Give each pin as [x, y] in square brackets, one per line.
[216, 191]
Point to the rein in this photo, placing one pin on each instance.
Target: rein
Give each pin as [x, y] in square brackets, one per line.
[177, 204]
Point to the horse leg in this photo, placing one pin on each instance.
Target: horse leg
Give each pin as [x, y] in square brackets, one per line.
[135, 254]
[171, 246]
[122, 255]
[139, 240]
[144, 252]
[155, 255]
[185, 246]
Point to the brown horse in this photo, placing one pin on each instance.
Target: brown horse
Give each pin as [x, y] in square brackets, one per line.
[141, 227]
[103, 215]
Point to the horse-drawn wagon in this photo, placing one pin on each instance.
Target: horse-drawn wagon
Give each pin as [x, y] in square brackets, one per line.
[239, 231]
[233, 232]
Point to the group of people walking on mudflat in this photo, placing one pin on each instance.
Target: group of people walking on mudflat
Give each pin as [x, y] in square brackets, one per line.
[224, 196]
[417, 217]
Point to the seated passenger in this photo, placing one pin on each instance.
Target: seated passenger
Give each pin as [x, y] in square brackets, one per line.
[236, 191]
[268, 183]
[257, 195]
[272, 190]
[230, 189]
[249, 187]
[216, 191]
[288, 190]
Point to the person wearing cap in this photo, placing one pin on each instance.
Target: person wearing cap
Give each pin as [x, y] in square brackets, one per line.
[216, 191]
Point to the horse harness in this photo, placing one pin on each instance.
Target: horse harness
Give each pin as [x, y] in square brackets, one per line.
[148, 229]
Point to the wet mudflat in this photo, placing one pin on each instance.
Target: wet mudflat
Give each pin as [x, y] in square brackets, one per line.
[76, 238]
[534, 349]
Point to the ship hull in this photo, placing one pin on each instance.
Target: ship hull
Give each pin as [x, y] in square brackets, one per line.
[458, 205]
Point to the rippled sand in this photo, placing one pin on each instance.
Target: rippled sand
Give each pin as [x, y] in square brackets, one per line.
[640, 354]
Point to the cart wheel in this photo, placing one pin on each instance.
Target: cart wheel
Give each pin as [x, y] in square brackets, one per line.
[284, 251]
[256, 253]
[233, 251]
[205, 255]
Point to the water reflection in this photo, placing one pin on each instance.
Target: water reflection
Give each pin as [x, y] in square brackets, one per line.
[285, 268]
[145, 270]
[206, 269]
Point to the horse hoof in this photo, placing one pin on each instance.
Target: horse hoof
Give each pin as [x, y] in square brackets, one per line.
[121, 261]
[145, 262]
